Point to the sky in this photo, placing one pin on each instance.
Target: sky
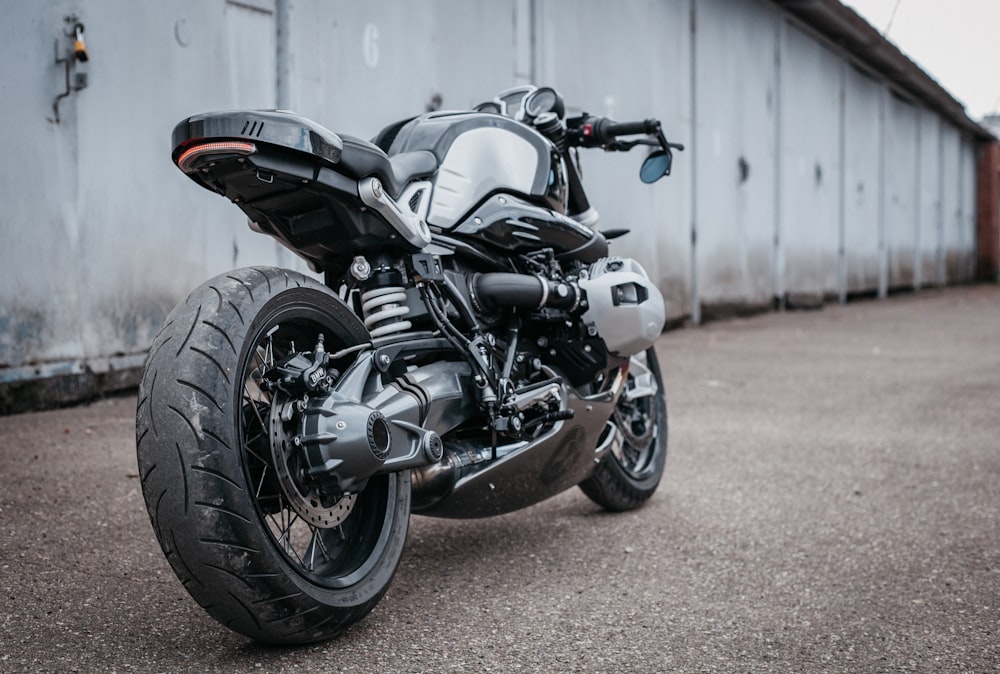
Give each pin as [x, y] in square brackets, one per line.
[956, 42]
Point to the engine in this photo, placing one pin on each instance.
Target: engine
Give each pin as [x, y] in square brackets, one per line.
[619, 303]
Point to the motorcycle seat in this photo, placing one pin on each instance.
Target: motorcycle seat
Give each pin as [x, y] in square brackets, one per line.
[361, 159]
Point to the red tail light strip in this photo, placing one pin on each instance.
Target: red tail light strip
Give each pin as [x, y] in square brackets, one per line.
[190, 155]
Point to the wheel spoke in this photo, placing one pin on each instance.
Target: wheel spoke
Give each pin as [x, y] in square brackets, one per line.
[260, 486]
[268, 360]
[311, 536]
[311, 550]
[322, 545]
[256, 403]
[316, 543]
[255, 455]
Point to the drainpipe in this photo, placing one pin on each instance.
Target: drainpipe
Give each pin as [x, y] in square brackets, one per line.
[883, 186]
[695, 299]
[283, 83]
[842, 189]
[918, 244]
[942, 276]
[283, 59]
[534, 28]
[777, 243]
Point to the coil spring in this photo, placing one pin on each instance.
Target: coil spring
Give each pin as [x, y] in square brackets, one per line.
[383, 309]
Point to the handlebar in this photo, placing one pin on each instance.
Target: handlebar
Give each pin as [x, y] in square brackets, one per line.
[593, 131]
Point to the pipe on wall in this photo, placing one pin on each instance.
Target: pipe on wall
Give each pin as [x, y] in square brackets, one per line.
[283, 59]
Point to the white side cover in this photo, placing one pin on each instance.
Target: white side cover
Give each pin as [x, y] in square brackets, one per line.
[480, 161]
[624, 306]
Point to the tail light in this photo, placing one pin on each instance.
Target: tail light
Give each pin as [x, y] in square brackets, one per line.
[188, 157]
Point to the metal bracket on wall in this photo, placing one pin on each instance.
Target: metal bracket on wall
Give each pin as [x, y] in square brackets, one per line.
[78, 54]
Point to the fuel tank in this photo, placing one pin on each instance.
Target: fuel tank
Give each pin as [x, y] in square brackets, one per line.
[480, 154]
[500, 184]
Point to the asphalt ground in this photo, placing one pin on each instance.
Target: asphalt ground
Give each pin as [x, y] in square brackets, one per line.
[831, 504]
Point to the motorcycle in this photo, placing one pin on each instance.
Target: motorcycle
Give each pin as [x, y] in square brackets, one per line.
[473, 349]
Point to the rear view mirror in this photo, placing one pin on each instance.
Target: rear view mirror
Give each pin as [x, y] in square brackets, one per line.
[655, 166]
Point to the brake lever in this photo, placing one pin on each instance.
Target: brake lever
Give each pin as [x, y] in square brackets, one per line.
[619, 146]
[665, 144]
[626, 145]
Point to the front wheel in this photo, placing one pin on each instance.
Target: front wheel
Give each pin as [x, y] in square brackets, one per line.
[234, 517]
[631, 471]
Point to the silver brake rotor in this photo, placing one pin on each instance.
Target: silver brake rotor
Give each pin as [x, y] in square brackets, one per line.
[309, 504]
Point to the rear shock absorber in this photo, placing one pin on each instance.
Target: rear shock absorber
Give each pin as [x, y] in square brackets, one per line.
[384, 305]
[383, 309]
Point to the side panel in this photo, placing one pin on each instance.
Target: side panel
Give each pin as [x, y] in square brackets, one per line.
[950, 254]
[862, 140]
[901, 192]
[735, 141]
[810, 166]
[161, 225]
[507, 224]
[929, 232]
[967, 194]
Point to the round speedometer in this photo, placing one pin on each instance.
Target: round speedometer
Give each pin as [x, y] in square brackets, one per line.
[541, 100]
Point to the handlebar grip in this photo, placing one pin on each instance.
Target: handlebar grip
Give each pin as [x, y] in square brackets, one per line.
[603, 130]
[614, 129]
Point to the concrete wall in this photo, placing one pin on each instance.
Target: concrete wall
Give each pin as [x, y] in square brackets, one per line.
[631, 63]
[734, 150]
[805, 176]
[102, 235]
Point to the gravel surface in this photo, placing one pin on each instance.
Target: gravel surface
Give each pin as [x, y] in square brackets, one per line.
[831, 504]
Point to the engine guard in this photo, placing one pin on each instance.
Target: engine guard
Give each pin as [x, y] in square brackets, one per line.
[529, 473]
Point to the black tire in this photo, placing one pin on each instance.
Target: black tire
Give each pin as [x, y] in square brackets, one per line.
[224, 522]
[630, 472]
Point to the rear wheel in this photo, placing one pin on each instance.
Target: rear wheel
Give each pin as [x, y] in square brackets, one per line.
[234, 517]
[630, 472]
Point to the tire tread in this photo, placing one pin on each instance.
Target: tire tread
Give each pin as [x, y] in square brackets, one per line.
[191, 472]
[610, 487]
